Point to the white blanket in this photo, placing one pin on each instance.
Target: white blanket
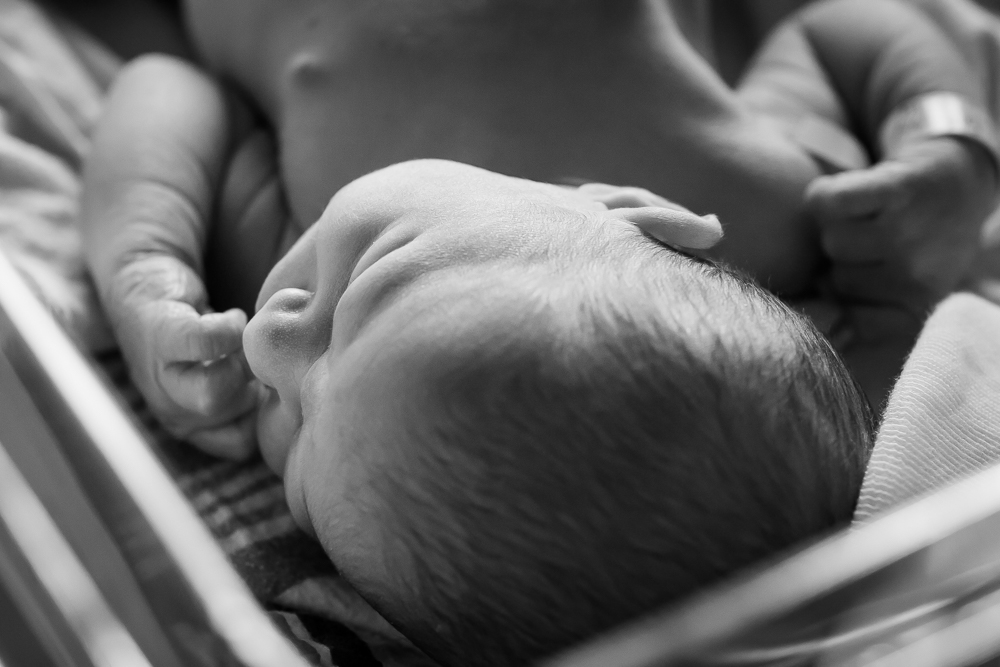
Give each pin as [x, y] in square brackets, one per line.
[942, 422]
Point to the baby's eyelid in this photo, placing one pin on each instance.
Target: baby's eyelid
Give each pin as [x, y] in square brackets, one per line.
[381, 247]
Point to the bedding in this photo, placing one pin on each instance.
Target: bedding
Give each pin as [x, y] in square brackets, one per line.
[52, 79]
[942, 422]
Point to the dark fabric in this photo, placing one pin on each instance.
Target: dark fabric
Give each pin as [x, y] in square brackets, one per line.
[322, 641]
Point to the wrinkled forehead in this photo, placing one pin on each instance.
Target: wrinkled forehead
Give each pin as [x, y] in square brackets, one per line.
[443, 214]
[418, 228]
[436, 213]
[480, 305]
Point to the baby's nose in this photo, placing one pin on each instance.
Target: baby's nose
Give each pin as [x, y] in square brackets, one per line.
[283, 339]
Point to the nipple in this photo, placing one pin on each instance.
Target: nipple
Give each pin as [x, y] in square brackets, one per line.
[309, 70]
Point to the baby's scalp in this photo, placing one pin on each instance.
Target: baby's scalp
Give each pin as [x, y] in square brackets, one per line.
[556, 417]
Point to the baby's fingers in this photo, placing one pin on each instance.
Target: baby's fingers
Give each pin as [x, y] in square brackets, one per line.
[189, 337]
[217, 401]
[211, 393]
[235, 440]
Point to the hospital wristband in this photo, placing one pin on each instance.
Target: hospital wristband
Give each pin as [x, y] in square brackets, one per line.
[940, 115]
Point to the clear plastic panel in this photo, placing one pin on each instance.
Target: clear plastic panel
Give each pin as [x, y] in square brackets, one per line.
[151, 564]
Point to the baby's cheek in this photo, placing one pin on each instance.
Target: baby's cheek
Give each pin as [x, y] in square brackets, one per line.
[295, 494]
[277, 428]
[338, 503]
[315, 475]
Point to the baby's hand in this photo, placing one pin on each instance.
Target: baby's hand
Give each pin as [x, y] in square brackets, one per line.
[904, 232]
[186, 360]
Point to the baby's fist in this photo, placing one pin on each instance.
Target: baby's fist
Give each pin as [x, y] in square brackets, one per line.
[186, 360]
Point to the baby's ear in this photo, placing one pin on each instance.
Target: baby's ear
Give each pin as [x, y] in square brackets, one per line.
[664, 220]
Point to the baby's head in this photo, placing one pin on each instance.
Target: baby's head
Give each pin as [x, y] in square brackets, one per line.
[513, 420]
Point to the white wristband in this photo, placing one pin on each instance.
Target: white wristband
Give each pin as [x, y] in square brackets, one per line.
[939, 115]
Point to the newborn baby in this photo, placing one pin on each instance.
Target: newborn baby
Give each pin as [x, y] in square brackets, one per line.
[561, 419]
[513, 420]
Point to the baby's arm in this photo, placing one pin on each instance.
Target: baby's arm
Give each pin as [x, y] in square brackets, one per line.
[149, 189]
[903, 230]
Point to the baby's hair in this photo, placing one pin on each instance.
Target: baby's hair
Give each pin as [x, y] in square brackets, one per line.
[656, 423]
